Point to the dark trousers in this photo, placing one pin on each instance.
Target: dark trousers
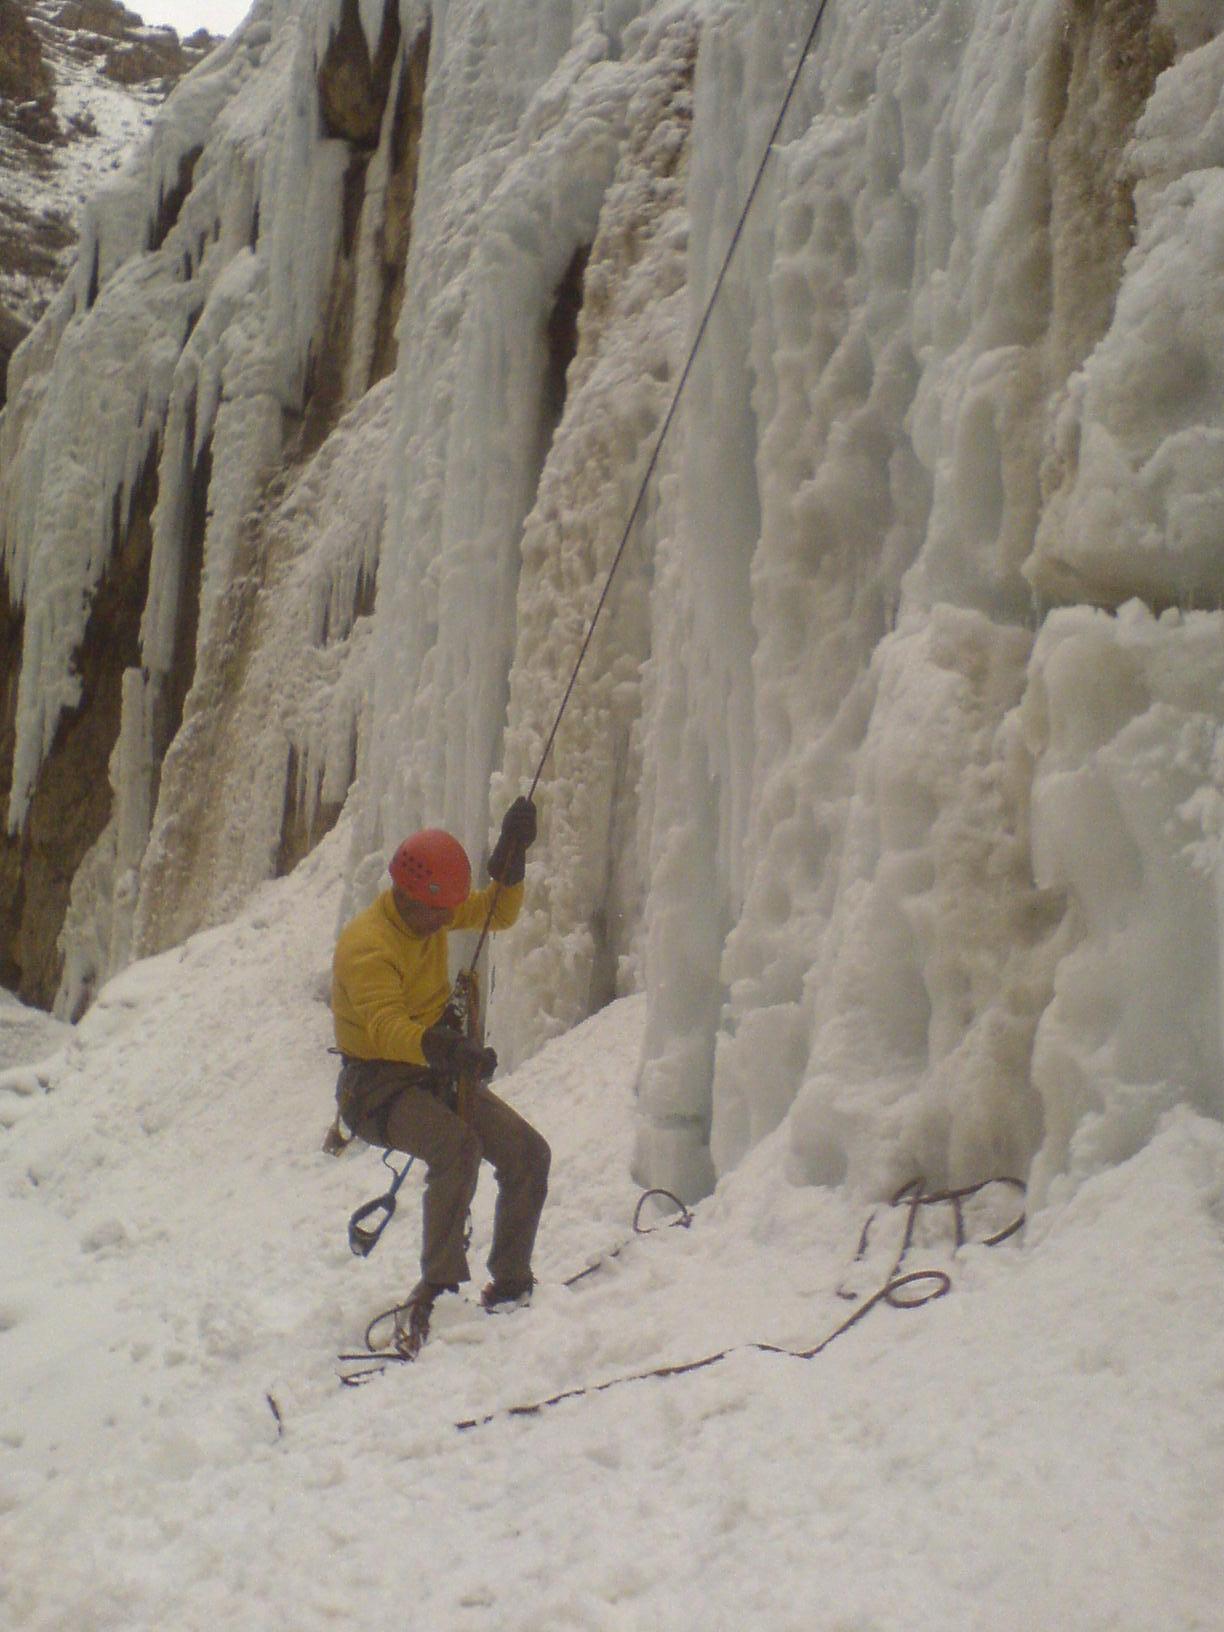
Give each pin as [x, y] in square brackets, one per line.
[403, 1107]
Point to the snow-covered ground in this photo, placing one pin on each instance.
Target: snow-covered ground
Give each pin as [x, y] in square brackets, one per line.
[1041, 1448]
[27, 1034]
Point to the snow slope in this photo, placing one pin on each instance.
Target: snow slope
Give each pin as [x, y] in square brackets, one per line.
[1040, 1448]
[27, 1034]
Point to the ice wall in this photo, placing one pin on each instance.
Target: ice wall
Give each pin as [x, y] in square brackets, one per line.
[892, 774]
[974, 370]
[177, 438]
[518, 457]
[1123, 716]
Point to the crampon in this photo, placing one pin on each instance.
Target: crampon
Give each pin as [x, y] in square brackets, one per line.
[396, 1336]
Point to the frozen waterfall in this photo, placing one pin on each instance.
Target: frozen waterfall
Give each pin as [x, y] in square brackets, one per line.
[894, 777]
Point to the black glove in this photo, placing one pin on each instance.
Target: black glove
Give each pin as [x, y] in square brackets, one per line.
[508, 863]
[449, 1051]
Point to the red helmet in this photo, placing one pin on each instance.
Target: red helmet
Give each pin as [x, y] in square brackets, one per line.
[432, 867]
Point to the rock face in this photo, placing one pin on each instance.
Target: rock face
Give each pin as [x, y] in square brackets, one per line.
[24, 76]
[78, 85]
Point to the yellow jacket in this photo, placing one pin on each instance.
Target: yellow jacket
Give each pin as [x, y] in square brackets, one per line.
[389, 985]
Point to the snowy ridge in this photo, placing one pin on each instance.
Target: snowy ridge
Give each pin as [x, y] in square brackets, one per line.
[1042, 1447]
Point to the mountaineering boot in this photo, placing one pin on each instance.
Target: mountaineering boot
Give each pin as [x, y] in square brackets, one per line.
[503, 1294]
[413, 1316]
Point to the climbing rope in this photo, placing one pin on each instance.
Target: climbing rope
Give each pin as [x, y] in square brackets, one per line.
[466, 990]
[911, 1290]
[913, 1197]
[669, 416]
[390, 1338]
[683, 1222]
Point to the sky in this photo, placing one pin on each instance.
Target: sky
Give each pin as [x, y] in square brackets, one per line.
[217, 16]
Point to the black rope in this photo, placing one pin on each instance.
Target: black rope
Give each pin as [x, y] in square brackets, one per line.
[670, 415]
[899, 1291]
[393, 1338]
[683, 1222]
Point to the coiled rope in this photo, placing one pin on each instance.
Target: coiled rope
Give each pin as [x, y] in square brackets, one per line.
[682, 1222]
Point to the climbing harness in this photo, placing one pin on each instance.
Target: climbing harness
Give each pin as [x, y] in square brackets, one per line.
[911, 1290]
[462, 1013]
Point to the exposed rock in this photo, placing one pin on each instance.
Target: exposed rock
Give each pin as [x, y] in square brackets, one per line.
[51, 161]
[11, 335]
[24, 76]
[72, 799]
[396, 232]
[139, 62]
[353, 93]
[97, 17]
[352, 88]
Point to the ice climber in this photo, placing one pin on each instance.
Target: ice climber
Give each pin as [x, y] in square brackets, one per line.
[401, 1057]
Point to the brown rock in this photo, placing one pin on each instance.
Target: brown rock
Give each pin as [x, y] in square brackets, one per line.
[24, 76]
[98, 17]
[142, 60]
[352, 89]
[12, 333]
[100, 43]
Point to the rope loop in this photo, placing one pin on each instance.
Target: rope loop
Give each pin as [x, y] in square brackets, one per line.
[938, 1286]
[683, 1222]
